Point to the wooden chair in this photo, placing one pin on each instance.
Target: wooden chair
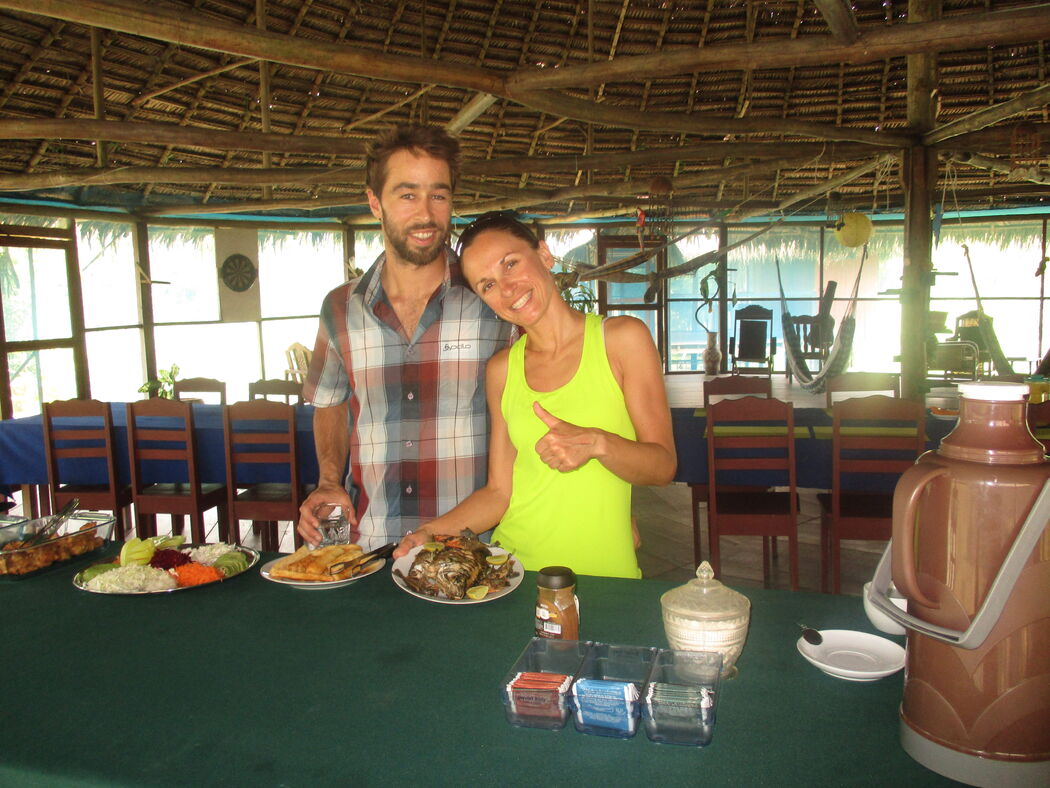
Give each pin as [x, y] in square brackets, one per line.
[200, 386]
[298, 357]
[161, 442]
[954, 361]
[258, 432]
[733, 455]
[274, 387]
[811, 339]
[863, 381]
[719, 387]
[1039, 422]
[81, 430]
[875, 439]
[753, 345]
[736, 384]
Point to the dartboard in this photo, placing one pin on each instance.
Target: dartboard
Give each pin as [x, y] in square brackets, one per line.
[238, 273]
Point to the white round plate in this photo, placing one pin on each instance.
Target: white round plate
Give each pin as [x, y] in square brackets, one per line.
[854, 656]
[404, 563]
[317, 585]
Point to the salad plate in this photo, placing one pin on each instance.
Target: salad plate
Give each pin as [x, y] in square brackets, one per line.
[252, 556]
[853, 656]
[404, 563]
[318, 585]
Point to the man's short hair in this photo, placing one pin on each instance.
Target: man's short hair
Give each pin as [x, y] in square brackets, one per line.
[431, 140]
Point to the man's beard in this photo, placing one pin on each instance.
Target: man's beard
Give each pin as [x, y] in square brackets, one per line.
[412, 254]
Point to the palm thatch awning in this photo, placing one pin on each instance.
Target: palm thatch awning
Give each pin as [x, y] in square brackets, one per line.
[565, 108]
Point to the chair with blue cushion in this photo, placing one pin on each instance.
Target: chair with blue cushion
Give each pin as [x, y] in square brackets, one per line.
[78, 435]
[262, 433]
[162, 451]
[751, 442]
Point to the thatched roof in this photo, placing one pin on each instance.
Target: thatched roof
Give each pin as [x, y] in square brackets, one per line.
[563, 107]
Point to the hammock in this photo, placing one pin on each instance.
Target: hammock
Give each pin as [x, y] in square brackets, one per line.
[838, 356]
[983, 324]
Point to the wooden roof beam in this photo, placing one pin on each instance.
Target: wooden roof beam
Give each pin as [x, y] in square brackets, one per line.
[141, 99]
[1029, 174]
[840, 19]
[697, 151]
[630, 188]
[254, 206]
[196, 29]
[170, 134]
[89, 176]
[989, 115]
[877, 42]
[819, 189]
[474, 109]
[199, 30]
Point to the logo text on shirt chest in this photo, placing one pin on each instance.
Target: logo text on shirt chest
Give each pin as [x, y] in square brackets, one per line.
[461, 346]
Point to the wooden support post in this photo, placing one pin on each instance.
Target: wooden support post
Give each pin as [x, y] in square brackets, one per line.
[920, 168]
[920, 176]
[140, 233]
[723, 300]
[264, 93]
[97, 93]
[76, 316]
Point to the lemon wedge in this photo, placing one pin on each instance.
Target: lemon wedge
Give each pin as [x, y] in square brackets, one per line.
[497, 560]
[478, 592]
[433, 546]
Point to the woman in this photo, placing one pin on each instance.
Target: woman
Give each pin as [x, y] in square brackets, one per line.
[578, 412]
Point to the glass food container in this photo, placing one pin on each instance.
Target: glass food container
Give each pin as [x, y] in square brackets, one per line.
[704, 615]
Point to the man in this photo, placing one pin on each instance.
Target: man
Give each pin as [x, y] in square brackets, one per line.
[398, 370]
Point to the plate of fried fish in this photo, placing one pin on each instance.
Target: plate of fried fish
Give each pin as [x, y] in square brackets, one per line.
[458, 570]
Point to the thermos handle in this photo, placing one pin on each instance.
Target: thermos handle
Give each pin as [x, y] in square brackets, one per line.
[998, 594]
[905, 503]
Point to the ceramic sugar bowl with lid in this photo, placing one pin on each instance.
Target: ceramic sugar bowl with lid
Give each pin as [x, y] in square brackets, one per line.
[704, 615]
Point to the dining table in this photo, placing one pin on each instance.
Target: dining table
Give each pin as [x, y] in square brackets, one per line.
[22, 462]
[22, 446]
[248, 682]
[813, 444]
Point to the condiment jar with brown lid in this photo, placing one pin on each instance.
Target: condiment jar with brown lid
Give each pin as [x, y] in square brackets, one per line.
[704, 615]
[557, 608]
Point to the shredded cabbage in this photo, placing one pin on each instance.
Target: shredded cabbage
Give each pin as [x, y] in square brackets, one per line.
[131, 579]
[206, 554]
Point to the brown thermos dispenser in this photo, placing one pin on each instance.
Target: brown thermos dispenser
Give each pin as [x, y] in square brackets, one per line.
[971, 553]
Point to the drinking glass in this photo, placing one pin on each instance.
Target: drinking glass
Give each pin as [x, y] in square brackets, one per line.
[332, 523]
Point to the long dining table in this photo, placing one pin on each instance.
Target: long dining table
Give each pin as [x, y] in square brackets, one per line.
[22, 462]
[22, 446]
[813, 440]
[247, 682]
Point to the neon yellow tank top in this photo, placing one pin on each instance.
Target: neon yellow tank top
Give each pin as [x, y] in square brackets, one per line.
[580, 519]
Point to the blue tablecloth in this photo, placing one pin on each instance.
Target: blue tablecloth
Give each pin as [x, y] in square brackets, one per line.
[22, 450]
[812, 444]
[22, 446]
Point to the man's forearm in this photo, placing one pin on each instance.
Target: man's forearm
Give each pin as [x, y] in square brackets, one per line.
[332, 443]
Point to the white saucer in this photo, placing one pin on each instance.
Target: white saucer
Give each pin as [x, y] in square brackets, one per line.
[854, 656]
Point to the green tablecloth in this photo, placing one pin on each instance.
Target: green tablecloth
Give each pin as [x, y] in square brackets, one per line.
[252, 683]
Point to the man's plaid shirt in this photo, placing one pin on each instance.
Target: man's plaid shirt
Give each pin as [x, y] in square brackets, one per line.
[418, 417]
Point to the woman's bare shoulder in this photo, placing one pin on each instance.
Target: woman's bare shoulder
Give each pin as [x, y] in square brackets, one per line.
[626, 329]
